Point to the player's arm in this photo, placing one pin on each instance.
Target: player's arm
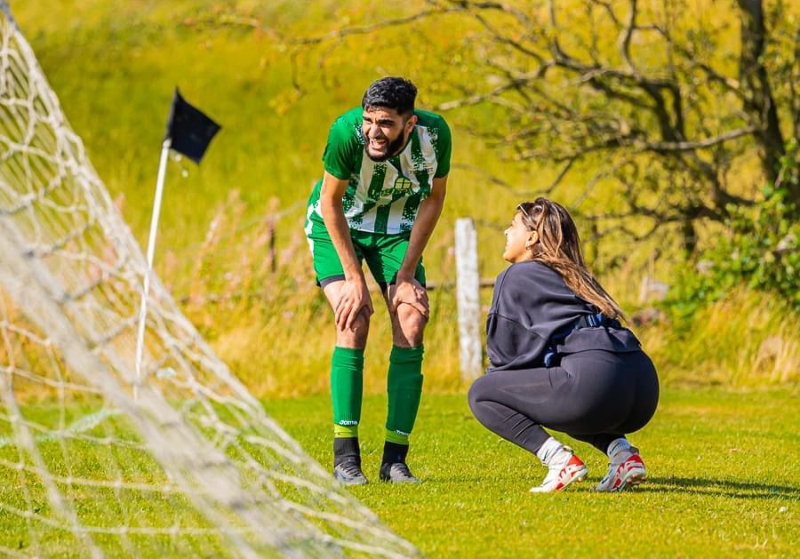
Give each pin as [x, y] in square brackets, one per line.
[354, 295]
[406, 289]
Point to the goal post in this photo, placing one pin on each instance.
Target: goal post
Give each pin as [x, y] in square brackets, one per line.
[193, 466]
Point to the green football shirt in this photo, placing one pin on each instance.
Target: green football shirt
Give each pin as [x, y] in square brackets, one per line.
[384, 197]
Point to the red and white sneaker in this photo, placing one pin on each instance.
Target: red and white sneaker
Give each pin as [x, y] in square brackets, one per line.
[565, 468]
[626, 469]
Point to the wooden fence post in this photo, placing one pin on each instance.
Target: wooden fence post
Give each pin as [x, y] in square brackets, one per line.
[469, 301]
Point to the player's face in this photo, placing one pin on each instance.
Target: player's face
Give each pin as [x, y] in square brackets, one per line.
[517, 236]
[385, 132]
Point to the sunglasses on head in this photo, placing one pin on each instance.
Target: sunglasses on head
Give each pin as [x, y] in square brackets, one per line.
[521, 208]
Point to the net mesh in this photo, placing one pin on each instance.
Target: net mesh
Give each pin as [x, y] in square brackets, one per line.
[190, 467]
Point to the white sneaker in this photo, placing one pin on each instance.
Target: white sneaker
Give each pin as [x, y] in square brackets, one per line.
[626, 469]
[565, 468]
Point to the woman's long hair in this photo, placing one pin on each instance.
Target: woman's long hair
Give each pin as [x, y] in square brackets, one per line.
[559, 247]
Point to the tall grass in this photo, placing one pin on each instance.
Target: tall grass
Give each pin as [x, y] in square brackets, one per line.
[272, 325]
[748, 339]
[275, 329]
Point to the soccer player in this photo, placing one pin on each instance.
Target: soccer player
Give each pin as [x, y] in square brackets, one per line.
[560, 357]
[386, 166]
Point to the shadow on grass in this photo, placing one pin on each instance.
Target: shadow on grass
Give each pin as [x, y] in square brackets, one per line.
[721, 487]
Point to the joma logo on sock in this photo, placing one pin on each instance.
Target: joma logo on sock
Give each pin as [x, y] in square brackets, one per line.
[348, 422]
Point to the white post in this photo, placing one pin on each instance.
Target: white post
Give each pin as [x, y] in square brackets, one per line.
[151, 249]
[469, 302]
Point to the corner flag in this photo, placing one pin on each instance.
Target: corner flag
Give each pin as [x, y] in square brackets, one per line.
[189, 129]
[189, 132]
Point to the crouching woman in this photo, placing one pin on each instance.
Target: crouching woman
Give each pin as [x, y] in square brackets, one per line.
[560, 357]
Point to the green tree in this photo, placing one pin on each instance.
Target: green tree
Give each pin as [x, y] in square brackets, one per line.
[663, 104]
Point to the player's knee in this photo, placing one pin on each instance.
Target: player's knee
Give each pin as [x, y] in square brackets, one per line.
[411, 326]
[359, 326]
[361, 322]
[356, 335]
[410, 318]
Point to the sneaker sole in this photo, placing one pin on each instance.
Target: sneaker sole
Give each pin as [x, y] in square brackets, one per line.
[348, 483]
[351, 481]
[386, 479]
[576, 477]
[632, 479]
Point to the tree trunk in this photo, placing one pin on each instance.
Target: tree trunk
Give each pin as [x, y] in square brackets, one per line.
[689, 234]
[760, 102]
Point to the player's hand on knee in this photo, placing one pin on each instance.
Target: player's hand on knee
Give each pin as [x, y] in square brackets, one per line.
[353, 299]
[409, 292]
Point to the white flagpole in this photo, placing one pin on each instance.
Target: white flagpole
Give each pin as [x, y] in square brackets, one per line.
[151, 249]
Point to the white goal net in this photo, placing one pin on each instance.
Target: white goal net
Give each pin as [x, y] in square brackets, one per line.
[192, 467]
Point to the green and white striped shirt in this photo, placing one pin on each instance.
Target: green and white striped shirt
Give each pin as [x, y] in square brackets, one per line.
[384, 197]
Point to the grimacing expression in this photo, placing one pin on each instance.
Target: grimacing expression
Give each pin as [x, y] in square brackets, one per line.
[517, 236]
[385, 132]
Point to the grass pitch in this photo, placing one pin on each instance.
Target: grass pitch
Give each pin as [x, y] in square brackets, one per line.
[724, 482]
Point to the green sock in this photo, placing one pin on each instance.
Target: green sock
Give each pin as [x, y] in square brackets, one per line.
[347, 385]
[405, 388]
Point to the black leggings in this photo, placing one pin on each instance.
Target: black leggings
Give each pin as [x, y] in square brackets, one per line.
[594, 396]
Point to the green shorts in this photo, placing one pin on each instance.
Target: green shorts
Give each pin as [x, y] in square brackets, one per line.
[384, 254]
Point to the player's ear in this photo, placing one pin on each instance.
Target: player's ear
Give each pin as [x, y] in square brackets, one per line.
[411, 122]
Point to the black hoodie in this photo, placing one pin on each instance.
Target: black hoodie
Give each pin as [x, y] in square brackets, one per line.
[531, 303]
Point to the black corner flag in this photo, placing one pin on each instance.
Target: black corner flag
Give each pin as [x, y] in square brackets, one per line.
[189, 129]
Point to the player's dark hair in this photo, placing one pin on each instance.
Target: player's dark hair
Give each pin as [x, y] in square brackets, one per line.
[391, 93]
